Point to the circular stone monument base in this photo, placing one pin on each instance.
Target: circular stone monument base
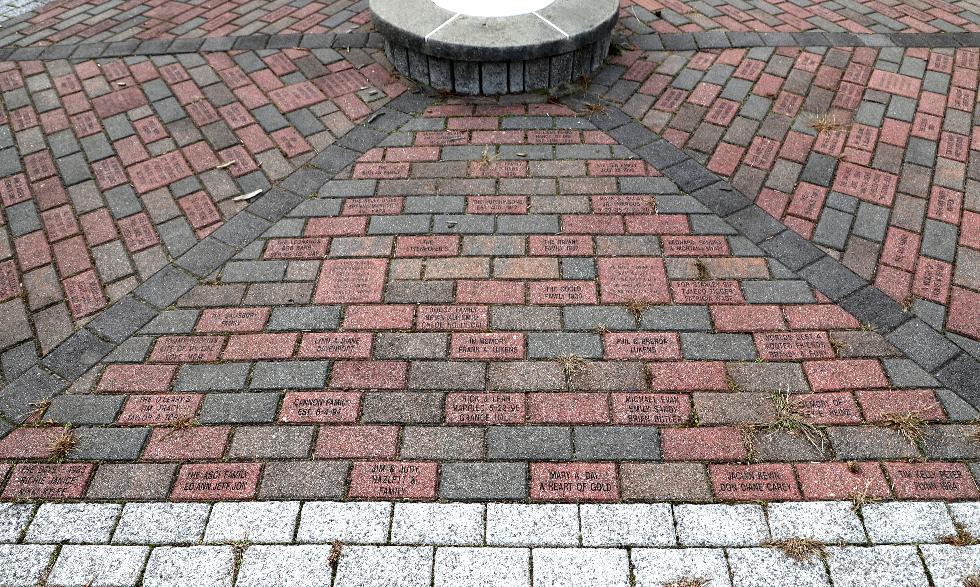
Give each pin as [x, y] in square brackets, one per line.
[495, 46]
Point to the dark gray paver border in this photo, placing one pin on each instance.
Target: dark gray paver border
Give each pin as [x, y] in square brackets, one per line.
[646, 42]
[86, 347]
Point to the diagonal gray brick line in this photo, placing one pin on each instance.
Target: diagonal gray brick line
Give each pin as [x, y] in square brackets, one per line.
[109, 328]
[932, 350]
[646, 42]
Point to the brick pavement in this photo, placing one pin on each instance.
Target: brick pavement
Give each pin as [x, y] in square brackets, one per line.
[717, 298]
[869, 153]
[499, 301]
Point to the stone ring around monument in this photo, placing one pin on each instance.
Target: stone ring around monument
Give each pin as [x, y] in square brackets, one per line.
[495, 46]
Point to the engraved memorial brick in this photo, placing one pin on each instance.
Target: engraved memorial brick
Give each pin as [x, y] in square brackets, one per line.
[489, 345]
[335, 345]
[160, 409]
[632, 279]
[562, 292]
[651, 409]
[351, 281]
[763, 482]
[297, 248]
[84, 294]
[642, 345]
[574, 482]
[320, 407]
[393, 480]
[484, 408]
[48, 482]
[460, 317]
[791, 346]
[187, 349]
[159, 171]
[217, 481]
[707, 292]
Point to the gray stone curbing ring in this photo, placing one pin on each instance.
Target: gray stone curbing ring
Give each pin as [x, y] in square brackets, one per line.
[459, 49]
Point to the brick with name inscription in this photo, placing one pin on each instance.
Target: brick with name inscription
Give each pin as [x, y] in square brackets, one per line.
[84, 293]
[381, 170]
[642, 345]
[894, 83]
[826, 408]
[159, 409]
[561, 136]
[707, 292]
[394, 480]
[562, 292]
[642, 279]
[372, 206]
[488, 345]
[623, 204]
[320, 407]
[187, 349]
[233, 319]
[296, 96]
[309, 247]
[932, 279]
[485, 408]
[118, 102]
[199, 210]
[109, 173]
[137, 232]
[159, 171]
[457, 317]
[871, 185]
[651, 409]
[616, 167]
[9, 280]
[560, 245]
[498, 169]
[48, 482]
[791, 346]
[427, 246]
[219, 481]
[14, 190]
[932, 481]
[351, 281]
[335, 345]
[695, 246]
[574, 482]
[496, 205]
[763, 482]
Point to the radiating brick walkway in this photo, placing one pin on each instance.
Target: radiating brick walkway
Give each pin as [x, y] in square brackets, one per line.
[739, 265]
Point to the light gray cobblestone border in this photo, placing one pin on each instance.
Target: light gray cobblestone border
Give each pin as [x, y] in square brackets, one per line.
[380, 543]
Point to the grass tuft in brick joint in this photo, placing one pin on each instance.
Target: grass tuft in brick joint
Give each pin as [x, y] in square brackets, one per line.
[911, 425]
[800, 549]
[63, 444]
[699, 582]
[963, 537]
